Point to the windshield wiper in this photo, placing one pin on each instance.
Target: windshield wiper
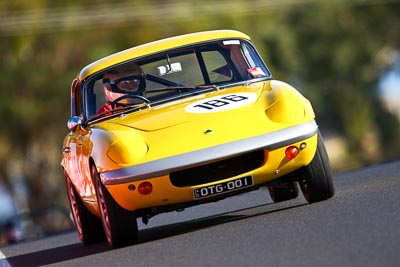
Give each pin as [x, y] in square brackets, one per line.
[128, 107]
[184, 88]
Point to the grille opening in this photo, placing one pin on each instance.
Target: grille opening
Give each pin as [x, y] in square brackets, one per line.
[219, 170]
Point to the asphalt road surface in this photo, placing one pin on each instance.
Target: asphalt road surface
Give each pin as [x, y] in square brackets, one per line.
[359, 226]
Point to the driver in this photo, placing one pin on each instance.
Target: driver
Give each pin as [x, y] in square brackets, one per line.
[120, 82]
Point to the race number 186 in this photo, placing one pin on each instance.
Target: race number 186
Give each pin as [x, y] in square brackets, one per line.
[221, 103]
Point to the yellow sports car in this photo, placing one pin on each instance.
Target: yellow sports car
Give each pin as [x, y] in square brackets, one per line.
[180, 122]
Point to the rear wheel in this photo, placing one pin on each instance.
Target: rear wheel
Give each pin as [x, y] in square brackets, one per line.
[316, 180]
[282, 192]
[120, 225]
[87, 225]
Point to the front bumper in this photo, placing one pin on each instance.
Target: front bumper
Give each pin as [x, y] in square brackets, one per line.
[122, 184]
[162, 167]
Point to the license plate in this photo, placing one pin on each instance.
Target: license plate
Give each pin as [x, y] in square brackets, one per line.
[216, 189]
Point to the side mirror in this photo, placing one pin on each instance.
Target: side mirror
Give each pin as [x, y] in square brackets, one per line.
[74, 122]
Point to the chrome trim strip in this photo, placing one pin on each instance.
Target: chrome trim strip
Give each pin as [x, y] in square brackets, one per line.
[164, 166]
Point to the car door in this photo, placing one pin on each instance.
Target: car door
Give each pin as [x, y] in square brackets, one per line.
[76, 150]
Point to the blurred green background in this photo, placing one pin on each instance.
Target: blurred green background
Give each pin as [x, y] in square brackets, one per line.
[343, 55]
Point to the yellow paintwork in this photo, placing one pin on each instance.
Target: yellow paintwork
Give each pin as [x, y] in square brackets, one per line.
[165, 126]
[157, 46]
[287, 105]
[188, 127]
[167, 130]
[164, 193]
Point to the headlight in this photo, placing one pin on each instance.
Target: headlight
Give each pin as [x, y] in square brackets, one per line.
[286, 110]
[127, 151]
[286, 105]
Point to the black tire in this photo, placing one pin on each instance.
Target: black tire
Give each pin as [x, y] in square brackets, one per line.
[120, 225]
[316, 180]
[283, 192]
[87, 225]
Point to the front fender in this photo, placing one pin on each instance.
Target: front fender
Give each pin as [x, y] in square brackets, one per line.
[284, 104]
[116, 149]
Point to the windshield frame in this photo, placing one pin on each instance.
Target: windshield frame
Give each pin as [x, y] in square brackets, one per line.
[252, 59]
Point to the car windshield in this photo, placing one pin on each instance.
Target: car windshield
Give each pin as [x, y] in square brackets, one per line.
[173, 74]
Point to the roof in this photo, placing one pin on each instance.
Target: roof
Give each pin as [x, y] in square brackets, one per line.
[157, 46]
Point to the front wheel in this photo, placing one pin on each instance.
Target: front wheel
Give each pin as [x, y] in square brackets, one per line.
[316, 181]
[87, 225]
[120, 225]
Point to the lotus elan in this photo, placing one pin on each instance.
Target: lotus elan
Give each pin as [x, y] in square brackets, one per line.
[184, 121]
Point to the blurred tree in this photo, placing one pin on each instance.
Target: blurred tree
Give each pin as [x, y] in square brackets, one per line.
[333, 51]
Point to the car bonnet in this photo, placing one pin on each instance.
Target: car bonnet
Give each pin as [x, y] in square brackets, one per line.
[220, 105]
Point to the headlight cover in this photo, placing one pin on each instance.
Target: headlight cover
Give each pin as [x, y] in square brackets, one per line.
[127, 151]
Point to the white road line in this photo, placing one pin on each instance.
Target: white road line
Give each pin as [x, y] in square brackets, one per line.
[3, 260]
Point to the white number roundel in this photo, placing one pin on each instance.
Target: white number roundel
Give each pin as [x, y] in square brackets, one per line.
[221, 103]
